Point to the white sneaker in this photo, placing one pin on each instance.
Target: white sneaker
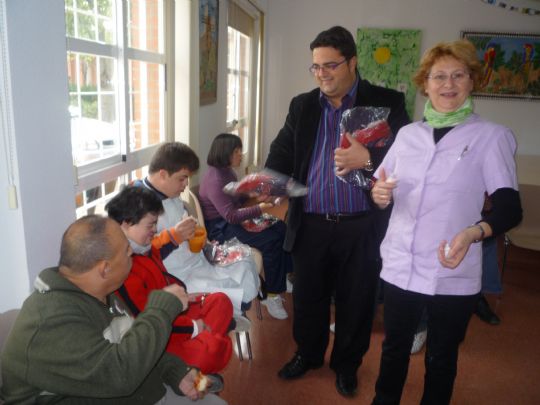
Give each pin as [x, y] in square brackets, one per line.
[275, 307]
[419, 341]
[333, 327]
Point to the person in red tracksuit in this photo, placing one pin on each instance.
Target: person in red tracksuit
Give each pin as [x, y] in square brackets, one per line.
[199, 336]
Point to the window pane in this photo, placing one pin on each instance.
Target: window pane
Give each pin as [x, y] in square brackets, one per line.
[232, 35]
[244, 57]
[146, 126]
[86, 27]
[85, 4]
[105, 8]
[93, 200]
[107, 74]
[145, 22]
[106, 32]
[239, 64]
[92, 105]
[86, 19]
[70, 24]
[89, 106]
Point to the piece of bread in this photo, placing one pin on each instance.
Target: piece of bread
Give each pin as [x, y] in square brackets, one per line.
[201, 382]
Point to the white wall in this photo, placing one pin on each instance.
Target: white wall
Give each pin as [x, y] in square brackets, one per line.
[30, 235]
[293, 24]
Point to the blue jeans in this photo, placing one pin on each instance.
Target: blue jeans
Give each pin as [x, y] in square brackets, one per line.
[491, 279]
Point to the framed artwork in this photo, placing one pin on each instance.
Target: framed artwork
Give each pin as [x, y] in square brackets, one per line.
[389, 58]
[208, 50]
[511, 64]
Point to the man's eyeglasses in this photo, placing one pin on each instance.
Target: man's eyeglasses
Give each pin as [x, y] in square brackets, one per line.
[457, 77]
[326, 67]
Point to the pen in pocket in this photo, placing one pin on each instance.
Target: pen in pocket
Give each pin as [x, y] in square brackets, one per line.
[463, 152]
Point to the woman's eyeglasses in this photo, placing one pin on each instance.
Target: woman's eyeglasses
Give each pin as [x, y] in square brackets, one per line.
[457, 77]
[326, 67]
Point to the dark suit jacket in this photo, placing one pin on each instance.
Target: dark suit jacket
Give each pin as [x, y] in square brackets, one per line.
[290, 153]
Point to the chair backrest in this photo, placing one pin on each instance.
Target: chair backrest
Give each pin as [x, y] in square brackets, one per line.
[7, 319]
[189, 196]
[527, 234]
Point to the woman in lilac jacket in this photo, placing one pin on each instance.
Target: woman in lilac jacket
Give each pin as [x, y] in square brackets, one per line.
[224, 215]
[435, 176]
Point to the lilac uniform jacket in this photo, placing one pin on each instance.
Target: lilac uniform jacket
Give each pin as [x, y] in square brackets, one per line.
[440, 192]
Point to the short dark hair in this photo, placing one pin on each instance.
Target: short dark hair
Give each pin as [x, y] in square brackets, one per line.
[338, 38]
[222, 149]
[85, 243]
[132, 204]
[173, 157]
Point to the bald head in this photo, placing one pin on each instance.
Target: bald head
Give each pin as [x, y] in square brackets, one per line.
[85, 243]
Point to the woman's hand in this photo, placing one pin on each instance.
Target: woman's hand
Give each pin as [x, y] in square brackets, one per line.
[381, 193]
[459, 246]
[265, 206]
[355, 156]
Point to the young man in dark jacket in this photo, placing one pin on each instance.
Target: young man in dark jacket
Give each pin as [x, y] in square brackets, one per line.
[333, 233]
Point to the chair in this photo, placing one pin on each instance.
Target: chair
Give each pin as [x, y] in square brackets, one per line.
[527, 233]
[192, 201]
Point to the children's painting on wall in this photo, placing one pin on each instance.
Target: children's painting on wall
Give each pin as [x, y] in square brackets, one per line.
[511, 64]
[208, 54]
[389, 58]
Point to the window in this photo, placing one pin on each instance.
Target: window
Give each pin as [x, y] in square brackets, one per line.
[118, 100]
[243, 76]
[93, 200]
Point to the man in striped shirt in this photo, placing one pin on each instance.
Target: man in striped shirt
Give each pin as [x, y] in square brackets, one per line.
[333, 232]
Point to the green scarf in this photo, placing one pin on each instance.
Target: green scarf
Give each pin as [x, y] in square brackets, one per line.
[437, 119]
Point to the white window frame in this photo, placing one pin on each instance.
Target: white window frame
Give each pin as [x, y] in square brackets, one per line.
[104, 170]
[252, 153]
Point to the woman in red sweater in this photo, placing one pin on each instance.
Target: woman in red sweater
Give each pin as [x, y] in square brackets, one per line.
[199, 336]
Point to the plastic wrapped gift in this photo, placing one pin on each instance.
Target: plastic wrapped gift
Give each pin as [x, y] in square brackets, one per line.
[260, 223]
[369, 126]
[227, 253]
[266, 183]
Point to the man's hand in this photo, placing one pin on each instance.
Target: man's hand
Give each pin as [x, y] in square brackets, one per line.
[355, 156]
[179, 292]
[187, 386]
[381, 193]
[185, 229]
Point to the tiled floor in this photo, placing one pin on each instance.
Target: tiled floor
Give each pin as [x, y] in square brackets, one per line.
[497, 364]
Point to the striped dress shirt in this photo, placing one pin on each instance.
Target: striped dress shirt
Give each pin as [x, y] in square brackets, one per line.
[327, 193]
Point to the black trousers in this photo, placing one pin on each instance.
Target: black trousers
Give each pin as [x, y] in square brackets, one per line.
[448, 317]
[340, 256]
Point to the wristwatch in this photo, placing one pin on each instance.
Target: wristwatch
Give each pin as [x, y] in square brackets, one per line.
[369, 166]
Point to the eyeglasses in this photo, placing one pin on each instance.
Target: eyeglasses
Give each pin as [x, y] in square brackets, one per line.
[457, 77]
[326, 67]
